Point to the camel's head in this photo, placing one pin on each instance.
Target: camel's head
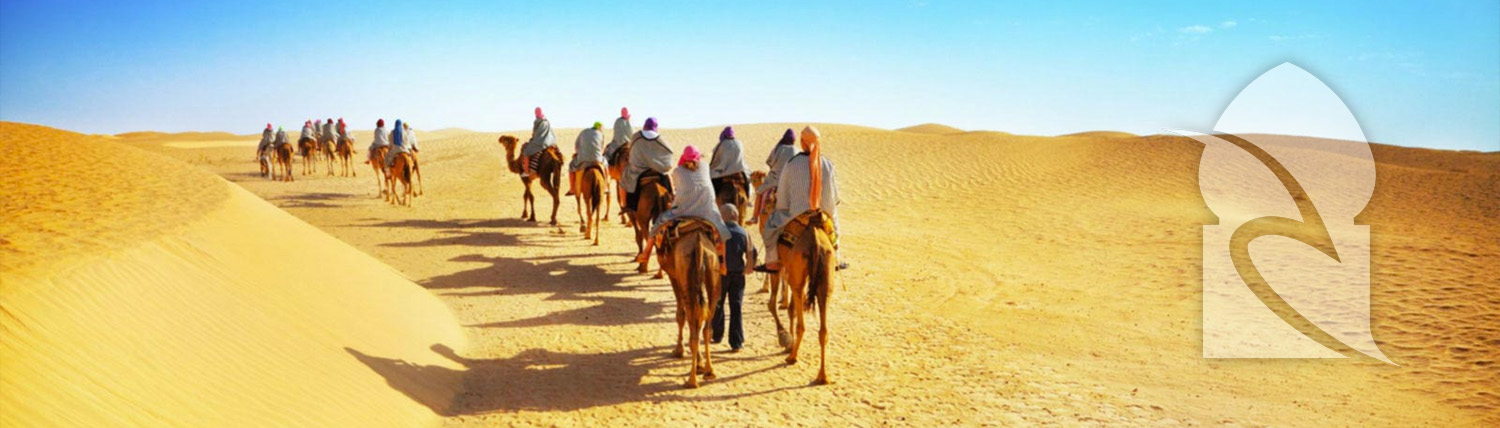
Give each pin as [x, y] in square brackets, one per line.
[757, 177]
[508, 141]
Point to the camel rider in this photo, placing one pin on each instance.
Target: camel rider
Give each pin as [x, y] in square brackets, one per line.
[308, 132]
[542, 138]
[409, 137]
[649, 156]
[326, 140]
[398, 144]
[622, 132]
[280, 138]
[728, 164]
[587, 150]
[782, 152]
[263, 150]
[798, 193]
[381, 139]
[695, 199]
[344, 132]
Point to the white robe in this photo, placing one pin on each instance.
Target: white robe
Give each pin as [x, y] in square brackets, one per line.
[729, 159]
[792, 198]
[588, 148]
[622, 131]
[381, 139]
[541, 138]
[694, 199]
[646, 155]
[775, 161]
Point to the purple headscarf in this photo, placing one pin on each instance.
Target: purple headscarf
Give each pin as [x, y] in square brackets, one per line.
[650, 124]
[788, 138]
[727, 134]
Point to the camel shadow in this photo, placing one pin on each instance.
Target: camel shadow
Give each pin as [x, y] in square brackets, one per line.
[542, 380]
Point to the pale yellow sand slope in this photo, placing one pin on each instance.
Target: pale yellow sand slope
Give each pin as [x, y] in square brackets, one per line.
[138, 291]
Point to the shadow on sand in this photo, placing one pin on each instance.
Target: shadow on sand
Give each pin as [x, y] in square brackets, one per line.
[542, 380]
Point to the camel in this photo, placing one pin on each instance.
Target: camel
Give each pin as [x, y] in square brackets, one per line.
[591, 191]
[377, 162]
[346, 156]
[693, 264]
[325, 146]
[733, 190]
[653, 199]
[308, 148]
[403, 167]
[550, 171]
[757, 179]
[807, 267]
[616, 170]
[282, 156]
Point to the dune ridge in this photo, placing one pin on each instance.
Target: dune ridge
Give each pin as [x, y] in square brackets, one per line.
[142, 292]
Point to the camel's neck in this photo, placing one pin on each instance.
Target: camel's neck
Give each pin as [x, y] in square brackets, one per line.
[511, 160]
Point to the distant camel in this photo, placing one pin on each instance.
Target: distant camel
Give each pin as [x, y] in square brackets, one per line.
[309, 150]
[652, 200]
[757, 179]
[346, 156]
[616, 170]
[807, 266]
[690, 259]
[591, 191]
[377, 161]
[550, 171]
[282, 154]
[325, 146]
[403, 167]
[733, 189]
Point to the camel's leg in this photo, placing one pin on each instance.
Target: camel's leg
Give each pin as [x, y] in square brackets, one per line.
[556, 201]
[708, 360]
[781, 335]
[606, 193]
[416, 170]
[594, 223]
[694, 335]
[822, 337]
[681, 319]
[794, 314]
[578, 200]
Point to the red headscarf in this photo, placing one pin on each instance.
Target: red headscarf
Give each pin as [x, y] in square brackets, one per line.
[539, 114]
[625, 113]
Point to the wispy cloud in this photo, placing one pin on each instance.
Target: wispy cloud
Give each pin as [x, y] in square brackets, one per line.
[1196, 29]
[1228, 24]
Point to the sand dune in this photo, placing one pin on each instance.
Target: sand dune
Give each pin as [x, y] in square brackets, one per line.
[932, 128]
[1058, 283]
[138, 291]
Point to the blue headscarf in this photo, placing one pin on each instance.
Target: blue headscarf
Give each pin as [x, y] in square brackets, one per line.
[396, 133]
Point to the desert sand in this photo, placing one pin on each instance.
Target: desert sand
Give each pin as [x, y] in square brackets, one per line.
[139, 291]
[998, 280]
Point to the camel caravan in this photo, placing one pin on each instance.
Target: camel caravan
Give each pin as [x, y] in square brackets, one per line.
[687, 212]
[392, 155]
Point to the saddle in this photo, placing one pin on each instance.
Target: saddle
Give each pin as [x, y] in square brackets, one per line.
[682, 226]
[816, 219]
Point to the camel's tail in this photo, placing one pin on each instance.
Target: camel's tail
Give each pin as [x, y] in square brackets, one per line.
[598, 191]
[697, 278]
[819, 263]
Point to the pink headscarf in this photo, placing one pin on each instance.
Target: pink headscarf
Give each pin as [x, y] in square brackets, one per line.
[625, 113]
[689, 154]
[539, 114]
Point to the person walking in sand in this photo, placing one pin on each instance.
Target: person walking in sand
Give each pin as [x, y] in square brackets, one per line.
[649, 155]
[263, 150]
[694, 199]
[739, 257]
[622, 132]
[806, 183]
[587, 150]
[542, 138]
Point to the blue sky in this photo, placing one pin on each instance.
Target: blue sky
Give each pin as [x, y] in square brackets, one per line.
[1414, 73]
